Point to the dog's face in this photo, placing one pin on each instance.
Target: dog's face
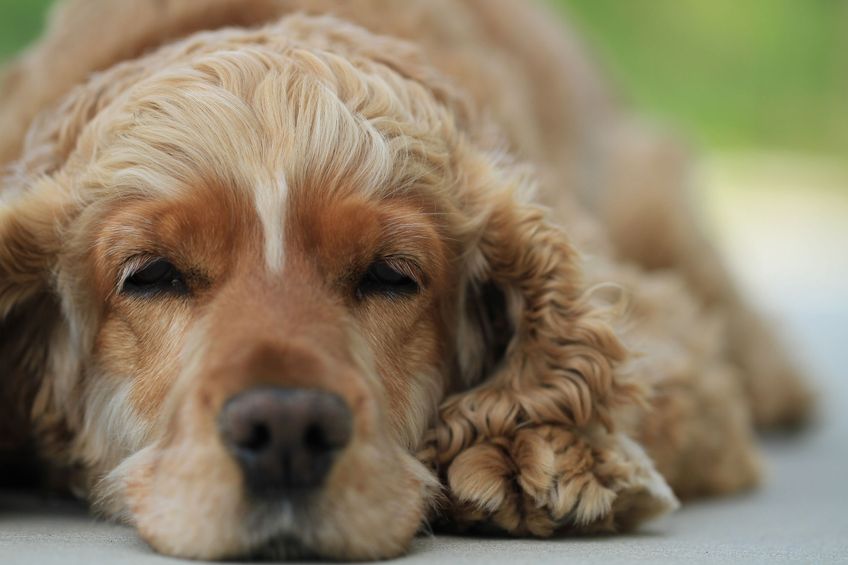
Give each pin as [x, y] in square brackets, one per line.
[279, 374]
[249, 271]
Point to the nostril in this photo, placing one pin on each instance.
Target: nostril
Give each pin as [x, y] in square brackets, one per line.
[258, 438]
[315, 439]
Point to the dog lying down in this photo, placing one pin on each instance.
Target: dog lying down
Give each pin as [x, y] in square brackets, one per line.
[297, 277]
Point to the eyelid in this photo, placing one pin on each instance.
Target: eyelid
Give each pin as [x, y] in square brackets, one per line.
[405, 265]
[132, 266]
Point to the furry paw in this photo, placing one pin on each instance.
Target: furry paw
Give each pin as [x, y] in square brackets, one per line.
[546, 479]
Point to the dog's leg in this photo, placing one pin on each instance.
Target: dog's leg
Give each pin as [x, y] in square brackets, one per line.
[699, 425]
[694, 432]
[642, 202]
[546, 479]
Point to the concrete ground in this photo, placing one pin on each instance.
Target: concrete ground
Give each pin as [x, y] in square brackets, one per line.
[786, 234]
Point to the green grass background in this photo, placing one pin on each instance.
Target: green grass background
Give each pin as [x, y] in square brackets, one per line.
[731, 74]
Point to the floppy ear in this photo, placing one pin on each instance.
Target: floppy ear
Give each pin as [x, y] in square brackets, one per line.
[29, 312]
[532, 447]
[36, 204]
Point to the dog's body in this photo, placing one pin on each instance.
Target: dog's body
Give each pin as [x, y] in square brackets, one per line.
[245, 197]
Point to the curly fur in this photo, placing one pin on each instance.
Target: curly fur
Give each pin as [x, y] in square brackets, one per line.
[576, 358]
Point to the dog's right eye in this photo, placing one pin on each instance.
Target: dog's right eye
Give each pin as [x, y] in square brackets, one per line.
[159, 276]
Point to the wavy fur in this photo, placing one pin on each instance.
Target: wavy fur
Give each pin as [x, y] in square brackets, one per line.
[272, 155]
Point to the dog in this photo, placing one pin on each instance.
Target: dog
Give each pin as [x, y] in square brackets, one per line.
[292, 278]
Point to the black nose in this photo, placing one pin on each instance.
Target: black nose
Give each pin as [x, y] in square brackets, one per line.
[285, 439]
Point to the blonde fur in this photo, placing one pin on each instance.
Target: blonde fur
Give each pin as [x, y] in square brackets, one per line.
[272, 155]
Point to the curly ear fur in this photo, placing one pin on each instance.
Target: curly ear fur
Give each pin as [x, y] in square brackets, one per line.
[532, 449]
[559, 365]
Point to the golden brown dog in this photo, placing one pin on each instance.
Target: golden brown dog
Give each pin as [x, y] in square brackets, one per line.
[287, 277]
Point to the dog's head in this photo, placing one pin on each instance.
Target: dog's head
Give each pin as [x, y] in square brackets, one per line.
[239, 276]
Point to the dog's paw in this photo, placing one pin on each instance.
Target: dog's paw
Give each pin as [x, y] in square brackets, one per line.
[546, 479]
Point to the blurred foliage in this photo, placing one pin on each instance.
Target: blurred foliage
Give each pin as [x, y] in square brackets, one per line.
[730, 73]
[20, 21]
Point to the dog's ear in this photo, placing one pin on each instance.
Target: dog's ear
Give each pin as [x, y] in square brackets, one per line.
[538, 343]
[37, 203]
[29, 310]
[527, 445]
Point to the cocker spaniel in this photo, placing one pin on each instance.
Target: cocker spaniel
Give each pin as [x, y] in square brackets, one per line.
[294, 277]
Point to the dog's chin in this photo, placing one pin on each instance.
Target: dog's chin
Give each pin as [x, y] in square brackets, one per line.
[283, 545]
[284, 548]
[286, 526]
[281, 527]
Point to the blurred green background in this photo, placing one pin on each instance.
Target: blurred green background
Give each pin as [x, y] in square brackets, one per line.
[735, 74]
[731, 74]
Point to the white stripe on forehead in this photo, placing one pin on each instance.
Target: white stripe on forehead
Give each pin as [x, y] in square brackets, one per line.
[270, 200]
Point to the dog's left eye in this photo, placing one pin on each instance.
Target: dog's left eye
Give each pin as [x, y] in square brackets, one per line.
[384, 278]
[159, 276]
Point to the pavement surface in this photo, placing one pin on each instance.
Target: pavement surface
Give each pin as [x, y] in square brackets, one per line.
[786, 234]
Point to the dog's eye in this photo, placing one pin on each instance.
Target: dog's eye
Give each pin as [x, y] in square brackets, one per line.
[383, 278]
[159, 276]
